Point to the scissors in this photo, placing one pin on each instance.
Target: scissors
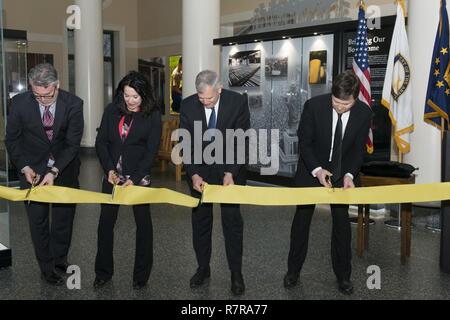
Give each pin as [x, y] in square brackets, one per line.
[201, 197]
[333, 182]
[34, 183]
[114, 186]
[328, 180]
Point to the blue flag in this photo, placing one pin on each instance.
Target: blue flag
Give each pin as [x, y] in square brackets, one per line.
[438, 94]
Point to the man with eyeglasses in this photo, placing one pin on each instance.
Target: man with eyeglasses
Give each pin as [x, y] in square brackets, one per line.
[332, 136]
[43, 136]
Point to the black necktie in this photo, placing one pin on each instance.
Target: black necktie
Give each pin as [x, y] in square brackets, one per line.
[337, 150]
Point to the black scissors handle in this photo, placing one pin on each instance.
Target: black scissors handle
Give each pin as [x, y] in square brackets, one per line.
[329, 181]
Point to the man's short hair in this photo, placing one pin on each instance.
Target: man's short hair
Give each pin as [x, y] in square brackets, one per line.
[345, 85]
[207, 78]
[43, 75]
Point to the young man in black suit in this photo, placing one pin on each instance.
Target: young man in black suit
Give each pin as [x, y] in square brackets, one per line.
[332, 136]
[43, 135]
[215, 108]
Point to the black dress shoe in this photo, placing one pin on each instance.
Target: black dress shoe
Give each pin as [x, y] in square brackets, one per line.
[52, 278]
[99, 283]
[62, 267]
[199, 277]
[290, 280]
[237, 283]
[345, 286]
[138, 285]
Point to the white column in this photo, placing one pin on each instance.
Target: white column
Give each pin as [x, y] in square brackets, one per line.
[423, 19]
[89, 67]
[201, 24]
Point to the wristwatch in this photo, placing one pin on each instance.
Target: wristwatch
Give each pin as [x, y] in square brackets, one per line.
[54, 171]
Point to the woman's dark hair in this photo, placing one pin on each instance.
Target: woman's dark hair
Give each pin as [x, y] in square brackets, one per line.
[140, 84]
[345, 85]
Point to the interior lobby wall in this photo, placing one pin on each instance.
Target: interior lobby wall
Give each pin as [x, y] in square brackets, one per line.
[48, 34]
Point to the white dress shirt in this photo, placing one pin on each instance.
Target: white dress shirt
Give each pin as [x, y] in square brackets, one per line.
[344, 118]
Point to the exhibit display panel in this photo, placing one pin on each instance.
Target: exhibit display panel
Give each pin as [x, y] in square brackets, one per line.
[379, 41]
[280, 70]
[278, 77]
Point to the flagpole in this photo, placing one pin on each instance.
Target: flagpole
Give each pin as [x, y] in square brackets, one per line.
[400, 46]
[442, 128]
[402, 3]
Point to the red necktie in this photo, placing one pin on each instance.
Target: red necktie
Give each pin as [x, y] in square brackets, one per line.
[47, 120]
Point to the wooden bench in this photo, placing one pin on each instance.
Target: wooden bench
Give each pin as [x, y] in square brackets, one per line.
[362, 240]
[165, 148]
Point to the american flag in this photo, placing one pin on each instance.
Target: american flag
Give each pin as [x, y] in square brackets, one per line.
[361, 67]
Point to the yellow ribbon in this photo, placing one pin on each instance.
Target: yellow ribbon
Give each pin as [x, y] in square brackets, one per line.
[123, 196]
[302, 196]
[262, 196]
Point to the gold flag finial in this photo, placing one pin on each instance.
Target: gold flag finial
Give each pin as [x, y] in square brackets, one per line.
[362, 4]
[402, 3]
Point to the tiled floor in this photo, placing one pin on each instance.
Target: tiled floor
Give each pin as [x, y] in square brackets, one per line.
[266, 244]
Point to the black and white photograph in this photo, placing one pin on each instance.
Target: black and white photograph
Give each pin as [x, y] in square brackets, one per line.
[224, 159]
[318, 67]
[255, 101]
[245, 69]
[276, 67]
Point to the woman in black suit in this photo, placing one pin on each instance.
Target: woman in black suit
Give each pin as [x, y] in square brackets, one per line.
[127, 144]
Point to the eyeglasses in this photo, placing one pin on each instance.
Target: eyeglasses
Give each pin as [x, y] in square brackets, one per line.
[39, 96]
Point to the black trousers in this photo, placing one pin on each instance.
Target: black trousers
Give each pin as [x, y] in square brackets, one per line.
[51, 242]
[143, 260]
[232, 226]
[341, 238]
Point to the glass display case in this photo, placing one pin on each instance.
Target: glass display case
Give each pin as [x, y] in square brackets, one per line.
[278, 77]
[280, 70]
[15, 51]
[15, 70]
[5, 251]
[153, 70]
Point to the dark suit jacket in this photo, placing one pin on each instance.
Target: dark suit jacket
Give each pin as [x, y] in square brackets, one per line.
[233, 114]
[315, 132]
[139, 149]
[27, 142]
